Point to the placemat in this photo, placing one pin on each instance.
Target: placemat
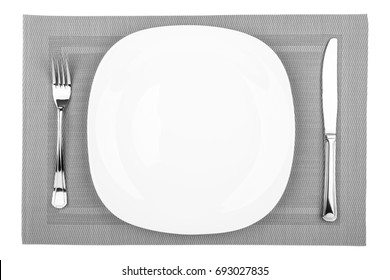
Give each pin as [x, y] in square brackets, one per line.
[299, 41]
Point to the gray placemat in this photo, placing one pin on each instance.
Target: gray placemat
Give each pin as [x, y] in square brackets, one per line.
[299, 41]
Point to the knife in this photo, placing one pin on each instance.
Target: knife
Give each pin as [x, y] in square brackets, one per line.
[329, 107]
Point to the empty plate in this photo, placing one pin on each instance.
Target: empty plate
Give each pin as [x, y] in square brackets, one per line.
[190, 129]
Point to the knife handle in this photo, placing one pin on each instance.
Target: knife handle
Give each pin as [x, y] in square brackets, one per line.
[329, 208]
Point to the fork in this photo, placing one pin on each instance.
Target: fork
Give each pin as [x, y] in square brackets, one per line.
[61, 81]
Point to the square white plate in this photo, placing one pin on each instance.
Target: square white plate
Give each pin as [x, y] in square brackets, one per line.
[190, 129]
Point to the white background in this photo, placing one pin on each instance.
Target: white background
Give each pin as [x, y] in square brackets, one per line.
[105, 262]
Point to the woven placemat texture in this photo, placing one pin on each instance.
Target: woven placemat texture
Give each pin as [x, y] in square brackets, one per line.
[299, 41]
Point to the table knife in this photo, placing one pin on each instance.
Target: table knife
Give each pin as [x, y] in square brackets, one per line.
[329, 106]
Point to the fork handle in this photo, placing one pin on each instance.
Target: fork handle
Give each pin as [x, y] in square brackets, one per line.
[59, 198]
[329, 208]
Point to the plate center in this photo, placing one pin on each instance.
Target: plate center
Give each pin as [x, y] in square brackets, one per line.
[206, 129]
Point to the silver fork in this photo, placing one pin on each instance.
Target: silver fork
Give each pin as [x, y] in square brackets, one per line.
[61, 93]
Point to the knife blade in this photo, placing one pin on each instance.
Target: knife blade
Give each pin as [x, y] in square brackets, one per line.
[329, 86]
[329, 105]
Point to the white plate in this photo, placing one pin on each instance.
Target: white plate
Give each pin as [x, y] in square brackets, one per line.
[190, 129]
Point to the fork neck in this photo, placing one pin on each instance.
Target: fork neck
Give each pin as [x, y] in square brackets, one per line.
[60, 111]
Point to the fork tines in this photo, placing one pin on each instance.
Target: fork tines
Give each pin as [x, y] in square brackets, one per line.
[60, 72]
